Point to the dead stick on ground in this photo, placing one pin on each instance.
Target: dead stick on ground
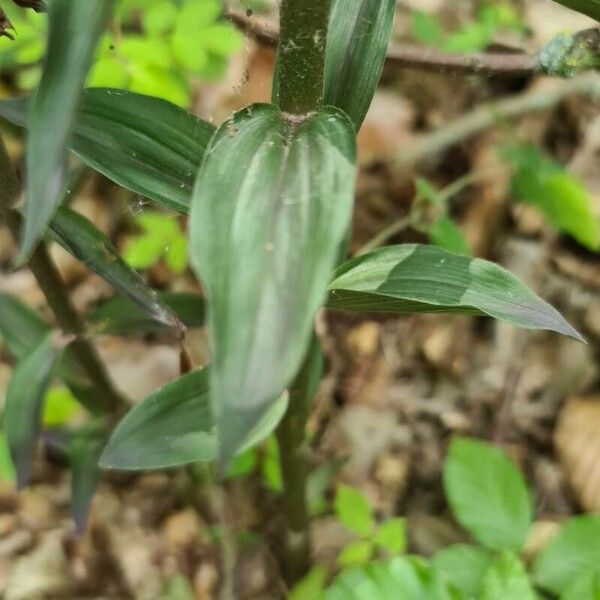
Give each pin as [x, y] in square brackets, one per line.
[491, 114]
[505, 64]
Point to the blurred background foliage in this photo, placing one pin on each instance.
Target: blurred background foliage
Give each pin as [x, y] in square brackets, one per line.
[155, 47]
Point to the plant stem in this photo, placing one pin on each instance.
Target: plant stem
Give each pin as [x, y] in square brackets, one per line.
[302, 54]
[53, 288]
[291, 437]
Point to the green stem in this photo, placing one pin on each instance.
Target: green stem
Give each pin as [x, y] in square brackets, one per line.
[53, 288]
[303, 35]
[291, 438]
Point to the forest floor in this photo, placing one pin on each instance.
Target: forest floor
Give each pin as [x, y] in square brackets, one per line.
[395, 390]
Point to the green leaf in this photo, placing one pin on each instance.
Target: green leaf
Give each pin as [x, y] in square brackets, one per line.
[85, 448]
[412, 278]
[506, 578]
[560, 196]
[487, 494]
[77, 235]
[463, 566]
[357, 41]
[426, 28]
[7, 469]
[587, 586]
[74, 29]
[391, 536]
[26, 390]
[447, 235]
[60, 407]
[174, 426]
[145, 144]
[271, 466]
[591, 8]
[311, 586]
[21, 328]
[356, 553]
[353, 511]
[574, 551]
[404, 578]
[271, 206]
[121, 316]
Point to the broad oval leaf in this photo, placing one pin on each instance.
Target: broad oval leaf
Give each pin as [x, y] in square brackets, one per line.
[174, 426]
[26, 389]
[487, 494]
[405, 578]
[413, 278]
[505, 579]
[271, 206]
[77, 235]
[463, 566]
[357, 41]
[74, 29]
[145, 144]
[121, 316]
[574, 552]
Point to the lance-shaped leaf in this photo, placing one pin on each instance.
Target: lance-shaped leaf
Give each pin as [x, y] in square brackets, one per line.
[271, 205]
[85, 448]
[174, 426]
[24, 397]
[359, 32]
[587, 7]
[145, 144]
[413, 278]
[121, 316]
[73, 31]
[78, 236]
[21, 328]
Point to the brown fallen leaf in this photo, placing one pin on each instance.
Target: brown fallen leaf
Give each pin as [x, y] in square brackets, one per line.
[578, 448]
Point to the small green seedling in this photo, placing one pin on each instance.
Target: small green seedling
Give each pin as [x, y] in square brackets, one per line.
[355, 513]
[488, 496]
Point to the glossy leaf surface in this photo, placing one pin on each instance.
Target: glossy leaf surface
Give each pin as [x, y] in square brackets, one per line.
[413, 278]
[271, 206]
[74, 29]
[24, 397]
[145, 144]
[359, 32]
[80, 237]
[487, 494]
[121, 316]
[174, 426]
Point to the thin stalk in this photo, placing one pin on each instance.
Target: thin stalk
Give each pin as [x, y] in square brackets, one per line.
[290, 435]
[303, 35]
[303, 26]
[53, 288]
[291, 438]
